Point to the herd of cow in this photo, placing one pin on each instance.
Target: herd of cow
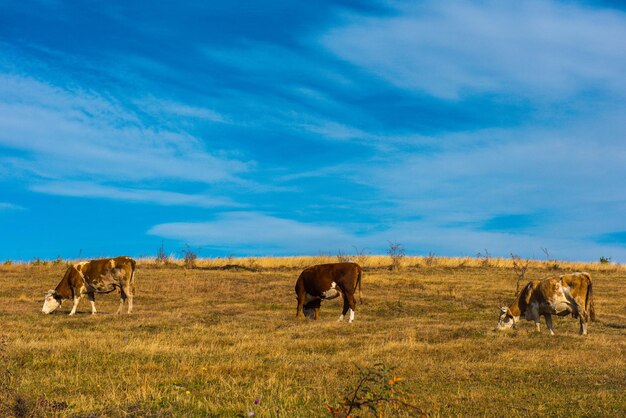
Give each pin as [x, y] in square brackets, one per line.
[569, 294]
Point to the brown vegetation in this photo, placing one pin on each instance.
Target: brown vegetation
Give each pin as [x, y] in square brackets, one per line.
[221, 339]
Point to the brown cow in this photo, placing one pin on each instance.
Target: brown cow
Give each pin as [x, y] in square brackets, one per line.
[90, 277]
[328, 281]
[562, 295]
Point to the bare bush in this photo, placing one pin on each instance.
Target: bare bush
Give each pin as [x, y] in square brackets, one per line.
[551, 263]
[520, 268]
[396, 253]
[162, 257]
[430, 259]
[485, 258]
[342, 257]
[379, 391]
[189, 257]
[359, 255]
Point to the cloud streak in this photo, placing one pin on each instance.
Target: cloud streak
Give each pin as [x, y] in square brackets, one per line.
[254, 233]
[160, 197]
[10, 206]
[451, 50]
[75, 133]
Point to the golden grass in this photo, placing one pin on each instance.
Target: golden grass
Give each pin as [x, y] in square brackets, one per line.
[383, 261]
[209, 341]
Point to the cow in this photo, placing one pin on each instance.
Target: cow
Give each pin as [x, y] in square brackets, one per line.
[569, 294]
[90, 277]
[328, 281]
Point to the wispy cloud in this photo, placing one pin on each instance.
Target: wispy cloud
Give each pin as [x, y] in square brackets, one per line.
[74, 133]
[10, 206]
[534, 49]
[160, 197]
[256, 233]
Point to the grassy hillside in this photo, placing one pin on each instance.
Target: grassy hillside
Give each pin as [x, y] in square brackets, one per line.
[215, 339]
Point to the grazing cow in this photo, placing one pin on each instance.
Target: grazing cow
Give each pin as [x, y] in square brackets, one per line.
[90, 277]
[328, 281]
[562, 295]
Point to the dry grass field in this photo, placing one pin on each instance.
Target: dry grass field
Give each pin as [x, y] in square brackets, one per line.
[222, 340]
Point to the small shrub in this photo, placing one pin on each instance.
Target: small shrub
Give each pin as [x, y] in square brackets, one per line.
[189, 257]
[380, 391]
[8, 262]
[162, 257]
[520, 267]
[58, 261]
[430, 259]
[253, 264]
[396, 253]
[605, 260]
[554, 266]
[342, 258]
[486, 257]
[359, 256]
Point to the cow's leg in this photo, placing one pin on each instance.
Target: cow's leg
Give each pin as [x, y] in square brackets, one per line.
[317, 312]
[346, 307]
[349, 304]
[129, 294]
[92, 301]
[533, 314]
[352, 305]
[300, 306]
[583, 324]
[549, 323]
[76, 300]
[122, 300]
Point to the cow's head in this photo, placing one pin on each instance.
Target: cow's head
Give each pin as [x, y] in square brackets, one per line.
[309, 308]
[506, 319]
[51, 302]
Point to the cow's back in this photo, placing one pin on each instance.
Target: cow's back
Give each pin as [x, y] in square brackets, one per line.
[319, 278]
[105, 274]
[577, 283]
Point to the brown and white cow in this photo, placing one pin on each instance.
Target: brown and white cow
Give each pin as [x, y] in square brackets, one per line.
[558, 295]
[328, 281]
[90, 277]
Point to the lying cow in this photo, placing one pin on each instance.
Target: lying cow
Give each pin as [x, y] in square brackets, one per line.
[328, 281]
[562, 295]
[90, 277]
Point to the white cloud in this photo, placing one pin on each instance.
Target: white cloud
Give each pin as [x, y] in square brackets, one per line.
[10, 206]
[255, 233]
[72, 133]
[166, 198]
[252, 232]
[166, 109]
[452, 49]
[567, 179]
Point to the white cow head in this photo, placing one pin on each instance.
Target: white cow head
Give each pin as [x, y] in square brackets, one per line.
[51, 302]
[506, 319]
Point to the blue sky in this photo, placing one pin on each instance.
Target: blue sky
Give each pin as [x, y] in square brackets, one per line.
[286, 128]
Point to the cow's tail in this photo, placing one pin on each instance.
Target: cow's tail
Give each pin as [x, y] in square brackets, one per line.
[358, 282]
[589, 299]
[133, 265]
